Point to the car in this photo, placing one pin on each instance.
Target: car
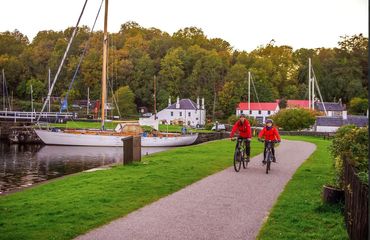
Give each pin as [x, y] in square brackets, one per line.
[220, 127]
[147, 114]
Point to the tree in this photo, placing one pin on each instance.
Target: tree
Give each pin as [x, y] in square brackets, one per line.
[358, 106]
[126, 101]
[294, 119]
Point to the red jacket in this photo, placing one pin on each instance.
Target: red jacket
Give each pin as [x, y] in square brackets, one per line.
[244, 129]
[271, 134]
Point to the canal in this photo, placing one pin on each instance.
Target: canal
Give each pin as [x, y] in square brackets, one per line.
[22, 166]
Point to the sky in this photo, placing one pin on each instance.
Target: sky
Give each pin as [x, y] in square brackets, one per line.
[245, 24]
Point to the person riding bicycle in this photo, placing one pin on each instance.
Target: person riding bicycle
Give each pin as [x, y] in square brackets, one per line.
[269, 133]
[245, 133]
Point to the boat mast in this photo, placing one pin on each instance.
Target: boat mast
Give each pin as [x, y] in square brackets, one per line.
[49, 89]
[104, 72]
[309, 84]
[249, 92]
[3, 90]
[155, 99]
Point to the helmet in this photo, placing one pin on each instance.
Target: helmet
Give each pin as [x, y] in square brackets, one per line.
[269, 121]
[242, 115]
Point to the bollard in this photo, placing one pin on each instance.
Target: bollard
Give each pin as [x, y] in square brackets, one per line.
[131, 149]
[128, 147]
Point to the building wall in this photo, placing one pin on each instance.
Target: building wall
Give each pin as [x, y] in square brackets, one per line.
[326, 129]
[196, 116]
[263, 114]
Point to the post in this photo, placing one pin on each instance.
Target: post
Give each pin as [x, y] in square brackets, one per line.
[131, 149]
[88, 100]
[49, 90]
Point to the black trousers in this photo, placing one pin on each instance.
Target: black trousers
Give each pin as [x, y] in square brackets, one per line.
[247, 145]
[272, 150]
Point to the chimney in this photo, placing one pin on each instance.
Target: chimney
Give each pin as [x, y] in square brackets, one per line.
[169, 101]
[203, 107]
[178, 103]
[198, 106]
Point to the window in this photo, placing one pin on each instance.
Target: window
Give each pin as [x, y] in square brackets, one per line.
[268, 112]
[180, 114]
[171, 114]
[241, 111]
[259, 112]
[189, 114]
[196, 119]
[250, 112]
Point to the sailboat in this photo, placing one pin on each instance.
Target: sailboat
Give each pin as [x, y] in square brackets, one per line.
[104, 137]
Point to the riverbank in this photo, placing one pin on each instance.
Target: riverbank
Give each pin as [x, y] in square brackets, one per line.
[299, 212]
[57, 209]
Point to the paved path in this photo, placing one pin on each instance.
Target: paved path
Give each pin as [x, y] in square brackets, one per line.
[226, 205]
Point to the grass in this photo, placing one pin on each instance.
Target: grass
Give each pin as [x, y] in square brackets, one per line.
[68, 207]
[112, 125]
[299, 212]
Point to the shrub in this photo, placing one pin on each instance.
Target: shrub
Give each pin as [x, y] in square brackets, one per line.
[294, 119]
[351, 142]
[208, 126]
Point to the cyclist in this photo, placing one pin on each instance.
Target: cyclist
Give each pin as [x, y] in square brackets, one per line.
[269, 133]
[245, 133]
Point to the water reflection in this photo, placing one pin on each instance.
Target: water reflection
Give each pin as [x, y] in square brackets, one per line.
[25, 165]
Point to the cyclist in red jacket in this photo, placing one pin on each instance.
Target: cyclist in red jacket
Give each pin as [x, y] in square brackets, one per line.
[269, 133]
[245, 133]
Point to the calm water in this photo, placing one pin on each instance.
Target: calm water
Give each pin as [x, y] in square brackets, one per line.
[24, 165]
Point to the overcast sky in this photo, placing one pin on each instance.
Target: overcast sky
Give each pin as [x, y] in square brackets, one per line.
[245, 24]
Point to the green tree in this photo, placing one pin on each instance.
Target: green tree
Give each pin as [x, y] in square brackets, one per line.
[294, 119]
[358, 106]
[125, 101]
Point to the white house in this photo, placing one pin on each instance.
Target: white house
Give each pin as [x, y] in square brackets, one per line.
[184, 111]
[333, 109]
[260, 111]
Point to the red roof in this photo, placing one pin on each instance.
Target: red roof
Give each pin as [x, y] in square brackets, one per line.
[270, 106]
[297, 103]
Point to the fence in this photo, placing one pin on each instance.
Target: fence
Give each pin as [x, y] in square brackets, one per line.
[356, 204]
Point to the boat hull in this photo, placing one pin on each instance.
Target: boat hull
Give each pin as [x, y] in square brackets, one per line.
[70, 139]
[62, 138]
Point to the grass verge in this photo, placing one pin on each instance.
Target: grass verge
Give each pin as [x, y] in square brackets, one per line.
[68, 207]
[299, 212]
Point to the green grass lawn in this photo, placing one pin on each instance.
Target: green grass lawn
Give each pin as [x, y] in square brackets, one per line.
[299, 212]
[68, 207]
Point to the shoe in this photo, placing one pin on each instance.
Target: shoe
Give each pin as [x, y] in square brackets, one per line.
[264, 162]
[247, 159]
[274, 159]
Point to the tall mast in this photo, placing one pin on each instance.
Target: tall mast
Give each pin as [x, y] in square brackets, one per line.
[104, 68]
[3, 90]
[249, 91]
[49, 89]
[309, 83]
[155, 98]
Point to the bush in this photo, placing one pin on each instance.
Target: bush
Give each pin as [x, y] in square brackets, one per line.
[294, 119]
[350, 142]
[208, 126]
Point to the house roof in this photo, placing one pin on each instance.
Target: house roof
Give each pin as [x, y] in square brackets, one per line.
[359, 121]
[329, 106]
[297, 103]
[184, 104]
[329, 121]
[270, 106]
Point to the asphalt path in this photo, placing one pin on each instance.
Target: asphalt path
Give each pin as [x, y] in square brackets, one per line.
[226, 205]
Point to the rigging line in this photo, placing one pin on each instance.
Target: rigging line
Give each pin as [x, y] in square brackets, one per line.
[83, 53]
[63, 59]
[6, 92]
[255, 91]
[318, 89]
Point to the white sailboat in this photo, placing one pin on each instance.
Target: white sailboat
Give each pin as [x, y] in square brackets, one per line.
[105, 137]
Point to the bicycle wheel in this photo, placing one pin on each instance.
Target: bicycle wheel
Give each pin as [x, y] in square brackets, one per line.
[237, 159]
[268, 161]
[244, 156]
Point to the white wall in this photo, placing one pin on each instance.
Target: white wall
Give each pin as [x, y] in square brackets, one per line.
[326, 129]
[196, 116]
[255, 113]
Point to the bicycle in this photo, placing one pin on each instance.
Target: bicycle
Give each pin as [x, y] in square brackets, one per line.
[240, 155]
[268, 159]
